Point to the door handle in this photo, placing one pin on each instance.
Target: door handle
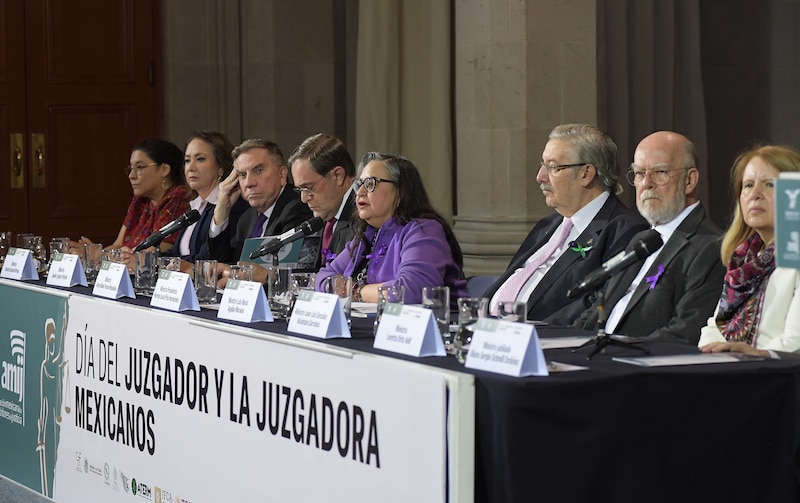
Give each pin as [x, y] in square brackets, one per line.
[38, 162]
[17, 161]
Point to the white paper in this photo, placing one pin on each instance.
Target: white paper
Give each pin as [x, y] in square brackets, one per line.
[113, 281]
[174, 290]
[244, 301]
[319, 315]
[409, 330]
[18, 264]
[691, 359]
[66, 270]
[505, 347]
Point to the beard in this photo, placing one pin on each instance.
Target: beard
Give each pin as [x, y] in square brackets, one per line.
[666, 211]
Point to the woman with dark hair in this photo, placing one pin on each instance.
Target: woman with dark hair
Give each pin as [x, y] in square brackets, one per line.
[160, 195]
[399, 238]
[759, 310]
[207, 160]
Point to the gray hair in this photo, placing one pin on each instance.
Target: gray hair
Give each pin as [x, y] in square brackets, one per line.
[595, 147]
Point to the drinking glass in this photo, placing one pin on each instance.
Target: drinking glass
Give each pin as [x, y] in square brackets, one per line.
[437, 299]
[343, 287]
[470, 309]
[38, 252]
[242, 272]
[92, 258]
[303, 281]
[393, 294]
[146, 272]
[280, 293]
[511, 310]
[169, 263]
[113, 255]
[57, 245]
[205, 280]
[5, 244]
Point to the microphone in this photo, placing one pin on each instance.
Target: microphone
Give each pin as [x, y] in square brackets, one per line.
[639, 249]
[158, 236]
[306, 228]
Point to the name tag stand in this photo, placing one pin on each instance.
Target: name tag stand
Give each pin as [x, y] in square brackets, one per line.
[66, 270]
[244, 301]
[113, 281]
[174, 290]
[409, 330]
[319, 315]
[19, 265]
[506, 347]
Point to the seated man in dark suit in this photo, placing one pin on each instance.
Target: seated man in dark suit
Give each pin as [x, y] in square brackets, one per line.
[578, 176]
[260, 177]
[669, 295]
[323, 173]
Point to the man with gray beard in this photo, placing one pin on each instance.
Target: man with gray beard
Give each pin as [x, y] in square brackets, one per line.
[670, 294]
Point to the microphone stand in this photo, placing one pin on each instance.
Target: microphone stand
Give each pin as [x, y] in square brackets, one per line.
[602, 339]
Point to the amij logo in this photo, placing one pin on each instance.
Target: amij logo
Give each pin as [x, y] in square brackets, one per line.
[12, 380]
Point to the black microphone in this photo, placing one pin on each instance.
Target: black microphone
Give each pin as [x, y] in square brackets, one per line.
[158, 236]
[639, 249]
[306, 228]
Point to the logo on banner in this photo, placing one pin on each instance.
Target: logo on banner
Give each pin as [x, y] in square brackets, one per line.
[141, 489]
[12, 380]
[124, 481]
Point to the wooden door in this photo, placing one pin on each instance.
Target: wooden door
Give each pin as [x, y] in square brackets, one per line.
[89, 93]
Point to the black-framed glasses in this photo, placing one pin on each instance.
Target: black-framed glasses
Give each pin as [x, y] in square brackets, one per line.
[660, 176]
[370, 183]
[555, 168]
[138, 167]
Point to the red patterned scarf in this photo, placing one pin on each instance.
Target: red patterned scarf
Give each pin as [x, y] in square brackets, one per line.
[743, 290]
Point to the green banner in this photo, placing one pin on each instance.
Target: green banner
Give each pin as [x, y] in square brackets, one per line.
[32, 328]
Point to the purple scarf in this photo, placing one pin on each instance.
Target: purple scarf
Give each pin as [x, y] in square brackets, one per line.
[743, 290]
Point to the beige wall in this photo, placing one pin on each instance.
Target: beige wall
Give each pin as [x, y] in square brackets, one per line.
[518, 74]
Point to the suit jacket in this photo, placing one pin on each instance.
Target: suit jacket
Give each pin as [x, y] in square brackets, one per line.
[289, 212]
[610, 231]
[198, 243]
[344, 231]
[685, 294]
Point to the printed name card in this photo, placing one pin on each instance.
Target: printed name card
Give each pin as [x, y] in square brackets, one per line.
[174, 291]
[113, 281]
[244, 301]
[66, 270]
[409, 330]
[19, 265]
[319, 315]
[506, 347]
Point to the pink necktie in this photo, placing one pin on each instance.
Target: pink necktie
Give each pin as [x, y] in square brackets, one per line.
[511, 288]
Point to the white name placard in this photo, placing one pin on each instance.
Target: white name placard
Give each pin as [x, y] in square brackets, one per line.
[244, 301]
[319, 315]
[409, 330]
[19, 265]
[113, 281]
[505, 347]
[66, 270]
[174, 291]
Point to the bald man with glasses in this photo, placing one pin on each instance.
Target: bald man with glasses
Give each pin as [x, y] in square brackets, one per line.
[669, 295]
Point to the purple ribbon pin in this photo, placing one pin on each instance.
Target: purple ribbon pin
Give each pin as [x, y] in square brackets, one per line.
[328, 255]
[381, 251]
[652, 280]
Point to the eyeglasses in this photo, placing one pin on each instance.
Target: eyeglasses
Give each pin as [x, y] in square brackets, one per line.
[138, 167]
[309, 191]
[555, 168]
[370, 183]
[636, 175]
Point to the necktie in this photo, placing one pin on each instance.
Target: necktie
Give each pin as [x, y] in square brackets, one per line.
[327, 233]
[258, 229]
[511, 288]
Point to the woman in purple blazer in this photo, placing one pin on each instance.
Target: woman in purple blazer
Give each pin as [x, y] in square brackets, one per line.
[399, 238]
